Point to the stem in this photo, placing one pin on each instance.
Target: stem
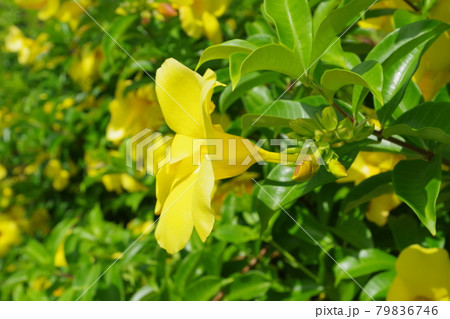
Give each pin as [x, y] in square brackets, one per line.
[412, 5]
[293, 262]
[427, 154]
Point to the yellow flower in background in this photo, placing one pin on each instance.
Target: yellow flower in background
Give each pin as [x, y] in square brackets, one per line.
[133, 112]
[422, 274]
[9, 234]
[434, 67]
[114, 182]
[385, 23]
[28, 49]
[18, 214]
[84, 69]
[380, 207]
[60, 255]
[47, 8]
[58, 174]
[70, 12]
[200, 17]
[40, 284]
[3, 172]
[184, 189]
[368, 164]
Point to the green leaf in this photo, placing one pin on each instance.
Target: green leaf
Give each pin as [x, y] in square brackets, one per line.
[417, 183]
[335, 23]
[247, 82]
[271, 57]
[203, 289]
[225, 49]
[235, 234]
[368, 74]
[293, 22]
[368, 262]
[399, 53]
[428, 120]
[186, 270]
[280, 114]
[118, 28]
[354, 232]
[250, 285]
[368, 189]
[378, 286]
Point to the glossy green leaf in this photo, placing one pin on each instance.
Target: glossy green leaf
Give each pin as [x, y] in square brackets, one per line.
[368, 74]
[378, 286]
[250, 285]
[225, 49]
[235, 233]
[293, 22]
[417, 183]
[203, 289]
[335, 23]
[429, 120]
[399, 53]
[247, 82]
[368, 262]
[271, 57]
[367, 190]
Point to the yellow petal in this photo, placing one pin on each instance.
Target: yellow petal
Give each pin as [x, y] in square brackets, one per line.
[187, 205]
[190, 23]
[380, 207]
[424, 274]
[211, 27]
[216, 7]
[185, 98]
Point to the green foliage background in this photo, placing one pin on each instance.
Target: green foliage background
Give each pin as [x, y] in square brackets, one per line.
[256, 250]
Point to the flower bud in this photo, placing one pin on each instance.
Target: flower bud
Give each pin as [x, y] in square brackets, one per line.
[329, 118]
[304, 171]
[337, 169]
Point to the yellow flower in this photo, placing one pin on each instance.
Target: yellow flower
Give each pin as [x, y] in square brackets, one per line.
[60, 256]
[139, 227]
[3, 172]
[368, 164]
[133, 112]
[9, 234]
[200, 17]
[434, 67]
[422, 274]
[60, 176]
[380, 207]
[47, 8]
[84, 70]
[70, 12]
[384, 23]
[40, 284]
[184, 186]
[27, 49]
[18, 213]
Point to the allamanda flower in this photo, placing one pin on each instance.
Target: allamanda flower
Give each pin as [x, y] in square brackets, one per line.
[184, 186]
[9, 235]
[434, 67]
[200, 17]
[422, 274]
[368, 164]
[133, 112]
[28, 49]
[84, 69]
